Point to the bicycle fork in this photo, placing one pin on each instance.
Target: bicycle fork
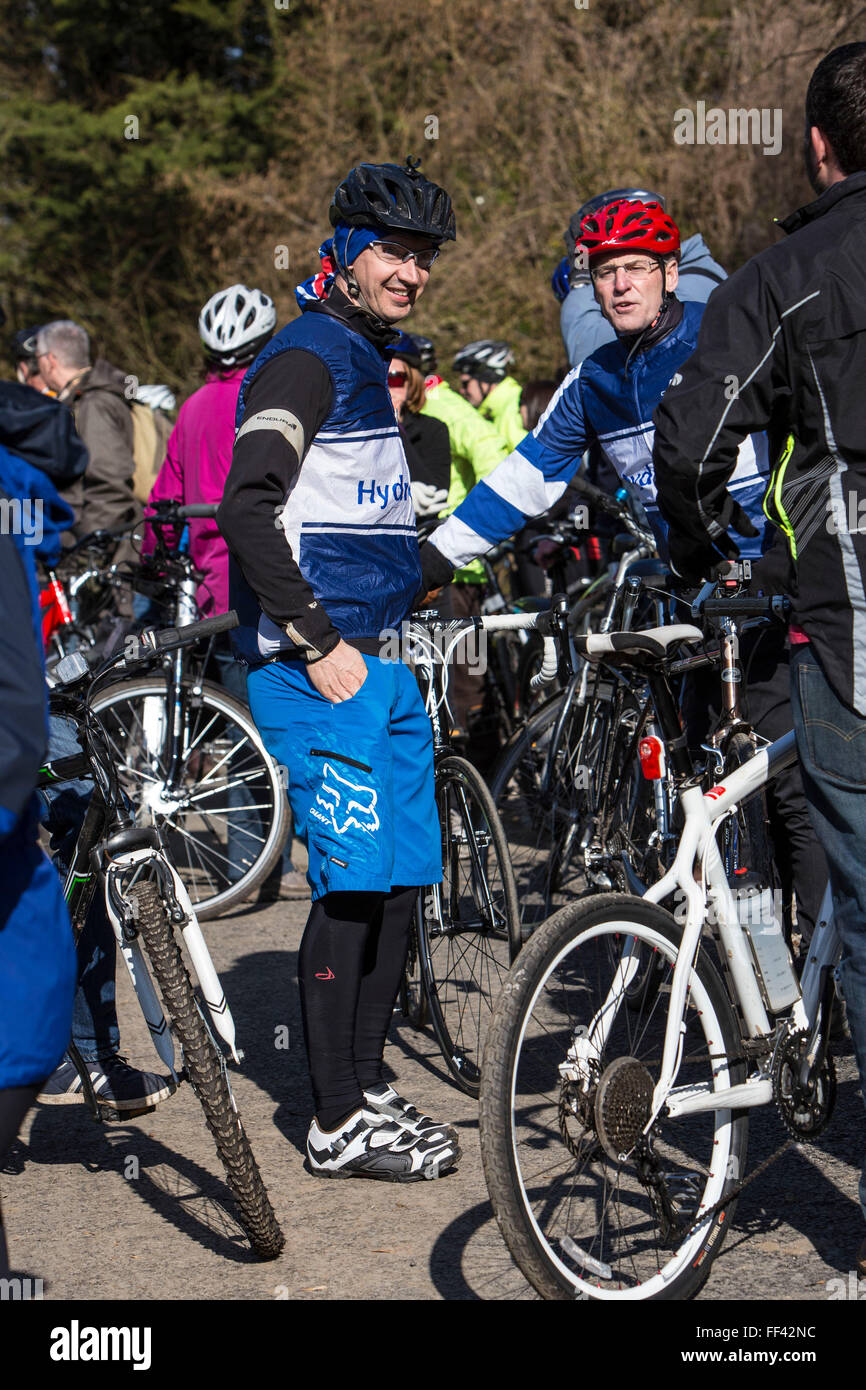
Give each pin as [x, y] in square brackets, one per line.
[182, 914]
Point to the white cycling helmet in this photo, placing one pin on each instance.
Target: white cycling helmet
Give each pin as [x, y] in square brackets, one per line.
[485, 359]
[235, 323]
[157, 397]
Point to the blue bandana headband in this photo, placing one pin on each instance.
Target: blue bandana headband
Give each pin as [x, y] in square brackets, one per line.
[334, 255]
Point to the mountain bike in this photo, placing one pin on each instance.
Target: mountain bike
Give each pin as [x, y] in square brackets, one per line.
[466, 929]
[614, 1131]
[151, 913]
[189, 753]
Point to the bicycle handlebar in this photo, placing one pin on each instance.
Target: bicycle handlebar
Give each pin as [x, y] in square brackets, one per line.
[144, 647]
[598, 498]
[543, 623]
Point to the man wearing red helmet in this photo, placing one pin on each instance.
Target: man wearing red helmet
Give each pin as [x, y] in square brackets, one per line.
[631, 249]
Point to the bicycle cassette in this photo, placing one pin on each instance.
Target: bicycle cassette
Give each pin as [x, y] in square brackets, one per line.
[804, 1097]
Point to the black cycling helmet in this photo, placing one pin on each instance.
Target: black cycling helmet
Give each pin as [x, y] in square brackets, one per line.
[485, 359]
[388, 195]
[417, 351]
[23, 344]
[601, 200]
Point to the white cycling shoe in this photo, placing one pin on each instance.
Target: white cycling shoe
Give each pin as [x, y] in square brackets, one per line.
[371, 1146]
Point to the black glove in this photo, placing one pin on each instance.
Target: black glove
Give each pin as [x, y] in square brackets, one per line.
[695, 555]
[436, 571]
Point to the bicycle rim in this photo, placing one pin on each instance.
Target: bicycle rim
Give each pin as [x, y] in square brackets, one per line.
[563, 1157]
[226, 784]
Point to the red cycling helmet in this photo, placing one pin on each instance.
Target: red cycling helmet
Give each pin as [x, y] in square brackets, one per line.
[629, 226]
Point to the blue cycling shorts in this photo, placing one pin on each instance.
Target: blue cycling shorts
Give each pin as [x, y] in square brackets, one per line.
[360, 775]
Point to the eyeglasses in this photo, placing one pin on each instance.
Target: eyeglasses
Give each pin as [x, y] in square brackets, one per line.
[636, 271]
[397, 378]
[394, 254]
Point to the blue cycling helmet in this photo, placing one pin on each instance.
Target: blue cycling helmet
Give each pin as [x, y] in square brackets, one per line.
[559, 279]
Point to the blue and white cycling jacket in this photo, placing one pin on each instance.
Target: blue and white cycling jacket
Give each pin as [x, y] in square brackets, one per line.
[347, 516]
[603, 400]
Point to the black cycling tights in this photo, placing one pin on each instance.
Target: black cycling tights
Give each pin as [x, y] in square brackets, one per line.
[14, 1104]
[350, 964]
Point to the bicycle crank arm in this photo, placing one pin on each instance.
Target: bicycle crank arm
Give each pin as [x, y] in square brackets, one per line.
[692, 1100]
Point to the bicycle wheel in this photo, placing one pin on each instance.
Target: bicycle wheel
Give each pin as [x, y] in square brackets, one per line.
[206, 1069]
[468, 928]
[224, 808]
[413, 997]
[544, 789]
[744, 842]
[587, 1207]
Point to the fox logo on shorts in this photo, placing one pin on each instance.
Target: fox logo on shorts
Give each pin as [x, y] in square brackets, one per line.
[349, 803]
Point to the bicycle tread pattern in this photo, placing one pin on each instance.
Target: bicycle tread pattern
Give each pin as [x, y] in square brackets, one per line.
[205, 1070]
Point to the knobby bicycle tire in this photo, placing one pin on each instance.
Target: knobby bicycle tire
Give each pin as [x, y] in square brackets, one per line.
[198, 854]
[469, 927]
[570, 1196]
[205, 1067]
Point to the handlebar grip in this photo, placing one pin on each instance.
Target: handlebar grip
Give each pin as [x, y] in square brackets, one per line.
[169, 511]
[549, 666]
[771, 606]
[597, 497]
[194, 632]
[208, 509]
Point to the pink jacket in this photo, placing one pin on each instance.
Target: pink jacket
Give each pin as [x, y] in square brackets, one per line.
[197, 462]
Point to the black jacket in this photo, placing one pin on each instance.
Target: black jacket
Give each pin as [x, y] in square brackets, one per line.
[428, 449]
[782, 347]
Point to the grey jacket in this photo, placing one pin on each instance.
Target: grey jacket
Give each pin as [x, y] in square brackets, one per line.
[103, 418]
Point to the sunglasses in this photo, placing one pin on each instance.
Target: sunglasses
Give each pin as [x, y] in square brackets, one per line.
[394, 254]
[397, 378]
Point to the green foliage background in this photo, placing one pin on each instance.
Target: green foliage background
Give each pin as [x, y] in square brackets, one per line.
[245, 113]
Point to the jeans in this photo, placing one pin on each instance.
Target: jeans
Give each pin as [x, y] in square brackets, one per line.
[243, 830]
[831, 740]
[94, 1017]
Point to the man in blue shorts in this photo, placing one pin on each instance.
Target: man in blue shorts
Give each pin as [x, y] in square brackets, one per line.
[318, 517]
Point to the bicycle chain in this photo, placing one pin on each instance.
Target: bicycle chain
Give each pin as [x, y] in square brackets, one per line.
[735, 1191]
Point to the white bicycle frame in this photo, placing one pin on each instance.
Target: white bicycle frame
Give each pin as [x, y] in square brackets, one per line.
[703, 815]
[199, 954]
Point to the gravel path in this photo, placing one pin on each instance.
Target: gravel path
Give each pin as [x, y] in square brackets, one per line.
[136, 1210]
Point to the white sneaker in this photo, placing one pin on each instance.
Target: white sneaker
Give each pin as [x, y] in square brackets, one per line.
[385, 1101]
[370, 1146]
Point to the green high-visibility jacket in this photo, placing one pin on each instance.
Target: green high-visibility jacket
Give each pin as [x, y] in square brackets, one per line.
[501, 407]
[476, 449]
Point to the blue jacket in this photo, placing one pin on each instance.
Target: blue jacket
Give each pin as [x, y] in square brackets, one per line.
[37, 956]
[584, 327]
[348, 517]
[608, 400]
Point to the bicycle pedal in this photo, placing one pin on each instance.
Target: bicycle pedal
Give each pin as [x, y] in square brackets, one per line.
[112, 1116]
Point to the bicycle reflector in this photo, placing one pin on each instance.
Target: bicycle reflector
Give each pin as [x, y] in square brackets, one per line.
[651, 752]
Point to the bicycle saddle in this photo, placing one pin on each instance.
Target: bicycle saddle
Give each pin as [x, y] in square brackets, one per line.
[651, 641]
